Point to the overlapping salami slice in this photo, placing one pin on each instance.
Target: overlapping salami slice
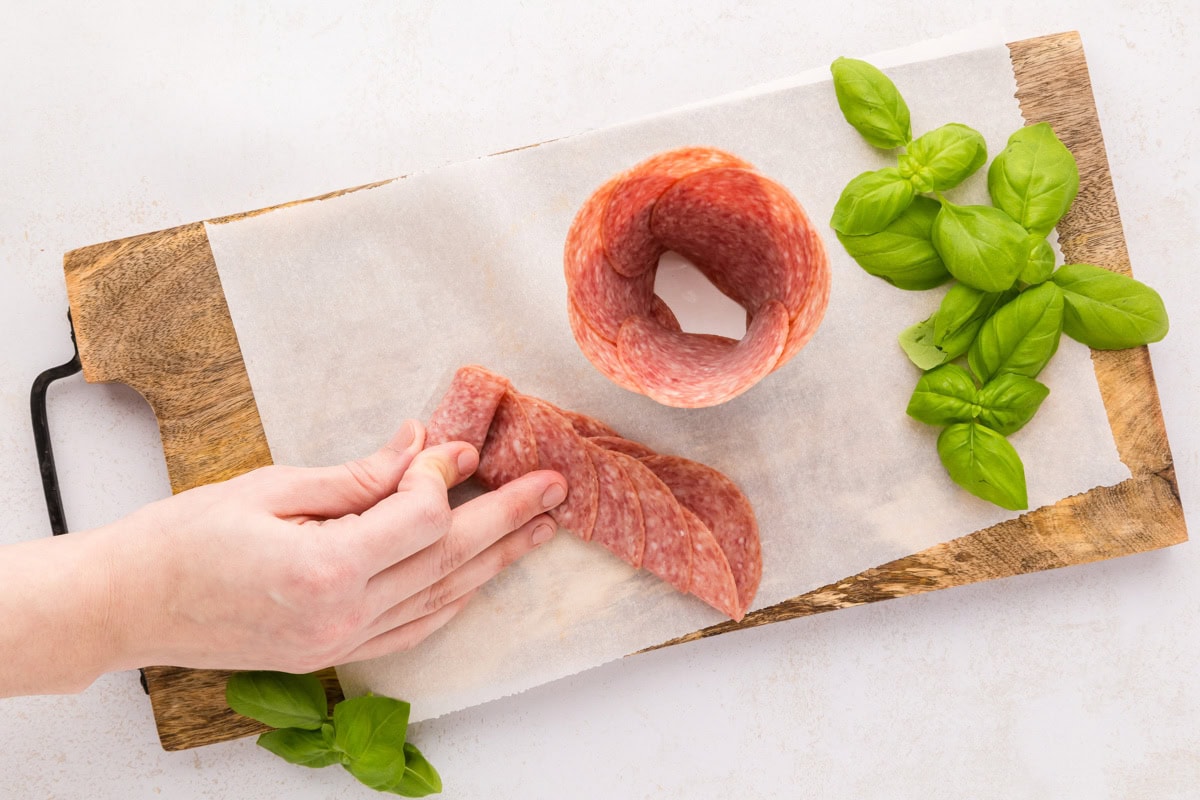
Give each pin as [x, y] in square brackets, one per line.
[745, 232]
[620, 522]
[720, 505]
[711, 578]
[668, 550]
[561, 449]
[467, 408]
[678, 519]
[509, 451]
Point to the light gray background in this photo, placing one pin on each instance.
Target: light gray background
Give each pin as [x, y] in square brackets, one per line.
[116, 121]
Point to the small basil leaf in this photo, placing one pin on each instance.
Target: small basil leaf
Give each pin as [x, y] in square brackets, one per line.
[984, 463]
[371, 727]
[278, 699]
[1109, 311]
[1009, 401]
[871, 103]
[917, 343]
[961, 315]
[870, 202]
[1040, 263]
[902, 253]
[1021, 337]
[1034, 179]
[943, 396]
[306, 748]
[944, 157]
[980, 245]
[419, 779]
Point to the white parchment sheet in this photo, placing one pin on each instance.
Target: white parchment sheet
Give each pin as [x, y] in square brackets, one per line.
[353, 313]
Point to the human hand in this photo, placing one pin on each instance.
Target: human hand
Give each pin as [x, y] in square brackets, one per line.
[296, 569]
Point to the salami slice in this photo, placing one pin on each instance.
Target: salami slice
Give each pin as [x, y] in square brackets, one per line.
[584, 425]
[720, 505]
[711, 578]
[626, 446]
[600, 351]
[466, 410]
[561, 449]
[629, 242]
[620, 526]
[668, 544]
[693, 371]
[509, 450]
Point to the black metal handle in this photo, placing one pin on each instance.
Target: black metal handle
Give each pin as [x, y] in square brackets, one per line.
[41, 434]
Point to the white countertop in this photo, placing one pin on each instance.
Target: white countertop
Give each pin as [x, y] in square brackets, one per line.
[120, 120]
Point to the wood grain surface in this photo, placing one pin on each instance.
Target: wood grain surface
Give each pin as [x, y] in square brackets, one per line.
[149, 312]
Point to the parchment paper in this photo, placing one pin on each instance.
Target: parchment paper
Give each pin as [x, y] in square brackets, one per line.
[353, 313]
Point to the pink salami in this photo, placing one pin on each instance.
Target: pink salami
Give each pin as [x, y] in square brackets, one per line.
[620, 526]
[626, 446]
[467, 408]
[509, 451]
[720, 505]
[745, 232]
[711, 578]
[668, 549]
[561, 449]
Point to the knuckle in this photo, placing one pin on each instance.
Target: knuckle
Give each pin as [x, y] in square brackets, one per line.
[452, 554]
[435, 596]
[433, 511]
[367, 477]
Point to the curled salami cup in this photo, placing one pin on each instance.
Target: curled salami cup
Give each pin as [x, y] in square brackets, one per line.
[743, 231]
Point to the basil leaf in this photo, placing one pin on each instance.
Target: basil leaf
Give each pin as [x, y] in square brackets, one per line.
[303, 747]
[1109, 311]
[984, 463]
[419, 779]
[871, 201]
[370, 731]
[961, 315]
[871, 103]
[944, 395]
[1021, 337]
[917, 343]
[1040, 263]
[1034, 179]
[278, 699]
[902, 253]
[980, 245]
[1009, 401]
[943, 158]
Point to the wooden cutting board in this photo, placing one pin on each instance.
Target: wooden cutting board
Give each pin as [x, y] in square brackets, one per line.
[149, 312]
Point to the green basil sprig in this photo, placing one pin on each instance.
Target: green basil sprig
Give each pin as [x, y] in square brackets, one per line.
[1109, 311]
[871, 103]
[948, 395]
[983, 462]
[1009, 308]
[902, 253]
[1034, 179]
[366, 735]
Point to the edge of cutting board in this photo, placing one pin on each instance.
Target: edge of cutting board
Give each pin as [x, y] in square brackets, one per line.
[188, 366]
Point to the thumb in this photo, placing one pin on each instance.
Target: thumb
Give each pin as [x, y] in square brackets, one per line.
[350, 488]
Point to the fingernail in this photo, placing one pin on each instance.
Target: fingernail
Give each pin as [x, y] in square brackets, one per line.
[466, 461]
[542, 533]
[554, 495]
[406, 435]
